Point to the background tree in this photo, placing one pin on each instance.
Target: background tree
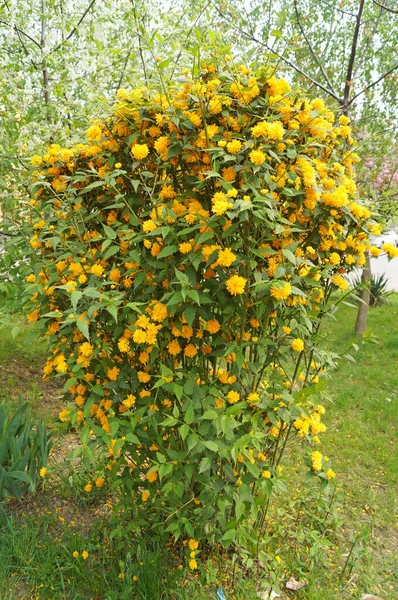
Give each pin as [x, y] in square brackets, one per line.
[347, 51]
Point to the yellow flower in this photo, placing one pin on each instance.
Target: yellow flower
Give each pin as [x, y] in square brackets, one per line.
[316, 458]
[193, 544]
[233, 397]
[123, 345]
[140, 151]
[33, 316]
[174, 347]
[129, 401]
[151, 477]
[64, 415]
[145, 495]
[159, 312]
[99, 482]
[298, 345]
[85, 554]
[374, 251]
[143, 377]
[162, 147]
[330, 474]
[226, 257]
[266, 474]
[36, 160]
[257, 157]
[281, 292]
[236, 285]
[193, 564]
[139, 336]
[113, 373]
[97, 270]
[253, 397]
[94, 133]
[185, 247]
[340, 281]
[115, 275]
[220, 204]
[213, 326]
[75, 554]
[234, 146]
[86, 349]
[88, 487]
[190, 351]
[43, 472]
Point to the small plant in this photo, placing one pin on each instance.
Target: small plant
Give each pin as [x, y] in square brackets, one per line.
[378, 289]
[24, 449]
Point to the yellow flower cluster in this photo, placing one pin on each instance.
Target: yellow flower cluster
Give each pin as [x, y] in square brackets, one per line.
[180, 287]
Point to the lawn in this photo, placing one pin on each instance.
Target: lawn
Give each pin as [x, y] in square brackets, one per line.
[349, 546]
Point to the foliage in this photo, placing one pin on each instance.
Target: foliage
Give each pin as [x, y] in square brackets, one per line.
[186, 255]
[24, 448]
[378, 287]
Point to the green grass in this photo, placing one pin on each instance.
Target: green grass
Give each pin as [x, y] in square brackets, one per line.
[37, 541]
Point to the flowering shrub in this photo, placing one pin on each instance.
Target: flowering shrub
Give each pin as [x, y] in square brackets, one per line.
[186, 255]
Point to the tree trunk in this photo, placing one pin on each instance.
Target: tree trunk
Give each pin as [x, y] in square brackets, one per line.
[360, 325]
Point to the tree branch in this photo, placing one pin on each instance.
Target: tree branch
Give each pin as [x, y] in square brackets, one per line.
[280, 56]
[365, 50]
[21, 32]
[188, 34]
[368, 87]
[72, 33]
[119, 83]
[344, 12]
[354, 46]
[139, 41]
[318, 62]
[383, 6]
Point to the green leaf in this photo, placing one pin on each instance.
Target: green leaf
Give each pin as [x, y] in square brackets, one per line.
[210, 415]
[75, 297]
[205, 464]
[111, 252]
[178, 390]
[109, 232]
[211, 446]
[83, 328]
[161, 458]
[192, 441]
[131, 437]
[71, 381]
[174, 150]
[112, 310]
[194, 295]
[20, 475]
[189, 415]
[167, 251]
[92, 293]
[189, 314]
[184, 430]
[165, 469]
